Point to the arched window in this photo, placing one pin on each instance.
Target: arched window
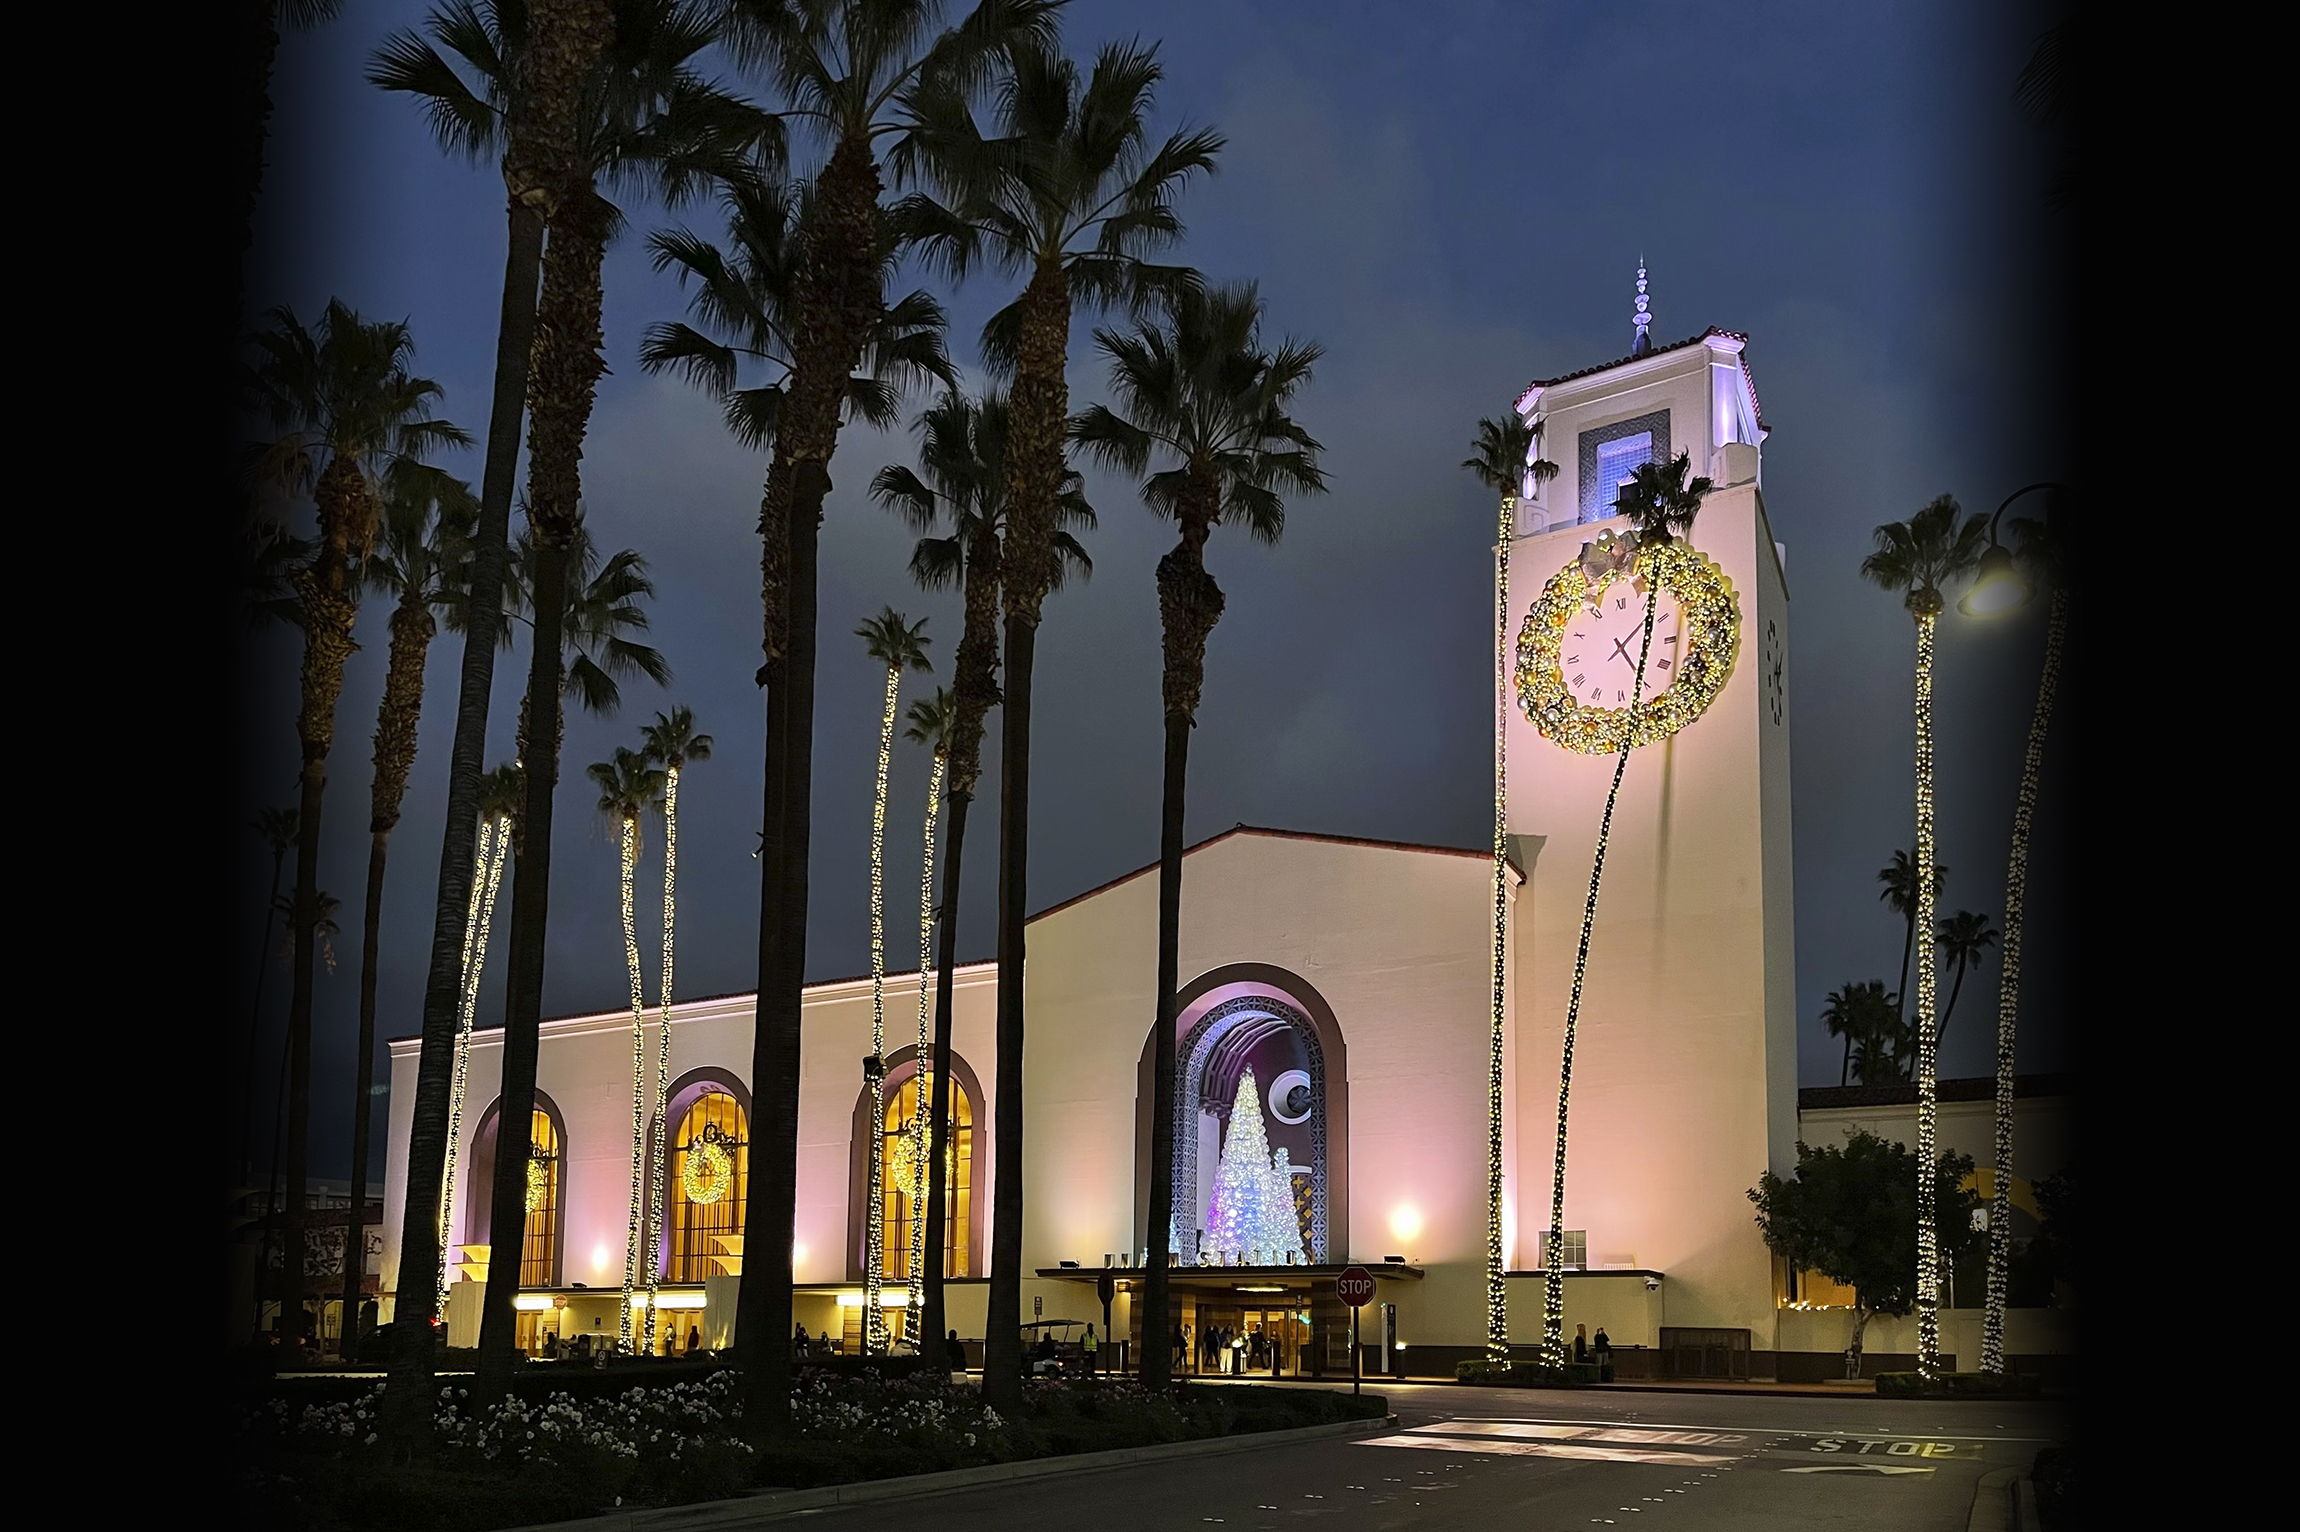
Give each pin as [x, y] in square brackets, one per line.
[898, 1129]
[546, 1178]
[708, 1178]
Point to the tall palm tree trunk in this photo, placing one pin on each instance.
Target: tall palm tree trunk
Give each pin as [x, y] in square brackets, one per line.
[923, 1169]
[874, 1237]
[1496, 1283]
[246, 1081]
[1553, 1253]
[2008, 992]
[635, 1219]
[421, 1255]
[1928, 1237]
[1189, 605]
[329, 610]
[567, 368]
[662, 1150]
[1039, 414]
[941, 1128]
[412, 629]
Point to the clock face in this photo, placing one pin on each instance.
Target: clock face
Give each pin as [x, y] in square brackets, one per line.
[1598, 656]
[1577, 654]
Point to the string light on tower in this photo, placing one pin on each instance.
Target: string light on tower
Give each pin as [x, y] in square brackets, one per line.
[914, 1313]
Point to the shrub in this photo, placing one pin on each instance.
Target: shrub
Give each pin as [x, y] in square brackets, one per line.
[2054, 1473]
[1910, 1385]
[1527, 1374]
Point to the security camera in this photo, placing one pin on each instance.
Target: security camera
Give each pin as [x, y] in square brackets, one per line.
[1653, 1284]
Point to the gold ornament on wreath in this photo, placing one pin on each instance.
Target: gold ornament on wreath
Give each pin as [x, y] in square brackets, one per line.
[538, 1183]
[707, 1170]
[1689, 678]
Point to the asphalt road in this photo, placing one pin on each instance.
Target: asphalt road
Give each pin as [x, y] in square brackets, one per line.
[1539, 1461]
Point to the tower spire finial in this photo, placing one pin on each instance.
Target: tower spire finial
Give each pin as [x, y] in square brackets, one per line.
[1644, 318]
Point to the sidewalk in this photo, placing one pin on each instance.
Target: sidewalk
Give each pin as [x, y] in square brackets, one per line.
[1864, 1388]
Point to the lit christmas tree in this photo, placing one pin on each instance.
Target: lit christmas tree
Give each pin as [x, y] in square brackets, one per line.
[1252, 1219]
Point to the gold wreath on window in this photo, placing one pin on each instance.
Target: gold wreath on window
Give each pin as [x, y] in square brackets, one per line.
[538, 1183]
[1712, 630]
[707, 1172]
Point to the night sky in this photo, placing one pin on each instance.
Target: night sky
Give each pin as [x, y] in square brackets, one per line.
[1452, 207]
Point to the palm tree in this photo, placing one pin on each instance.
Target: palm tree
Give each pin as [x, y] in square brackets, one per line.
[1852, 1012]
[1963, 937]
[1917, 557]
[630, 785]
[962, 474]
[1067, 197]
[850, 68]
[899, 645]
[1504, 459]
[1900, 896]
[421, 559]
[347, 409]
[527, 112]
[501, 793]
[930, 721]
[598, 606]
[671, 743]
[277, 827]
[1660, 503]
[1201, 390]
[262, 21]
[2039, 551]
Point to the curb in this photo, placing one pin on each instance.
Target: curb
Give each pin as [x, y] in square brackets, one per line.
[762, 1506]
[1994, 1505]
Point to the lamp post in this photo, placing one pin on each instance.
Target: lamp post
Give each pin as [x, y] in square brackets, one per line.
[2002, 587]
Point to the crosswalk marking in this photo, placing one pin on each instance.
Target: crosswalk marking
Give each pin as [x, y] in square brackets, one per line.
[1554, 1449]
[1548, 1431]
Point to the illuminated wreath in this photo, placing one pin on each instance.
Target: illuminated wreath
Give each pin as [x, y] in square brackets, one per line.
[538, 1184]
[1712, 630]
[707, 1171]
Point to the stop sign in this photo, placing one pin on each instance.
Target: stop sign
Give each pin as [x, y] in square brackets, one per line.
[1355, 1287]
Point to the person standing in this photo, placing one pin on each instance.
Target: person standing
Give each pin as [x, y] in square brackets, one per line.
[1088, 1351]
[1604, 1350]
[954, 1353]
[1181, 1342]
[1581, 1343]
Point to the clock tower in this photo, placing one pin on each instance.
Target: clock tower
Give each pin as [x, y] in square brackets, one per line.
[1685, 1068]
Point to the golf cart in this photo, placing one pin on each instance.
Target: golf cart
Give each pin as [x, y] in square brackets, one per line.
[1051, 1347]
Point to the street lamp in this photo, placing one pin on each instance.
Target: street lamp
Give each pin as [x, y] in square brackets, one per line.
[1998, 585]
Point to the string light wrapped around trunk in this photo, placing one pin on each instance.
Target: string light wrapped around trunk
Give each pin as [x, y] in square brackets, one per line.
[2008, 993]
[633, 1220]
[486, 877]
[1496, 1285]
[914, 1313]
[663, 1050]
[874, 1321]
[1927, 606]
[1553, 1256]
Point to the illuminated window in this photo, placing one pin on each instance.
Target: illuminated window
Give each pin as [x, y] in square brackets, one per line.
[710, 1158]
[539, 1241]
[958, 1186]
[1608, 455]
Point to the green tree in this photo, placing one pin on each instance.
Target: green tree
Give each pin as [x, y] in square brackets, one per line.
[1201, 391]
[1069, 196]
[961, 476]
[1963, 939]
[1917, 557]
[899, 645]
[851, 70]
[1852, 1215]
[421, 560]
[673, 744]
[347, 411]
